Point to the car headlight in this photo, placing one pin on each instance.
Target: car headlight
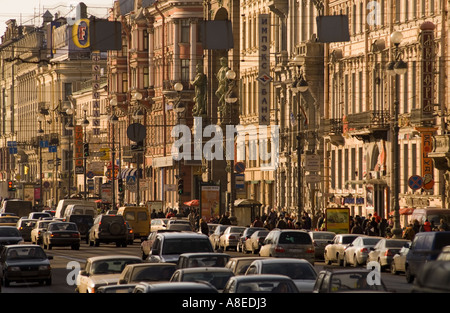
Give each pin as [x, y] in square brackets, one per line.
[44, 267]
[14, 269]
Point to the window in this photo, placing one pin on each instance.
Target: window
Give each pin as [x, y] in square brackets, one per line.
[185, 70]
[185, 27]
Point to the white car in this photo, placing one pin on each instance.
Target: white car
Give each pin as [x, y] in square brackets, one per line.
[357, 252]
[299, 270]
[334, 252]
[103, 271]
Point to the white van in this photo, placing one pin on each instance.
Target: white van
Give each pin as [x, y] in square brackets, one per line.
[62, 205]
[80, 209]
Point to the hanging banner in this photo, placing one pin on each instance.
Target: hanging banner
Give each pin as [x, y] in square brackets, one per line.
[264, 78]
[427, 162]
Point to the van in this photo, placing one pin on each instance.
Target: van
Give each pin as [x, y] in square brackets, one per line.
[18, 207]
[80, 209]
[62, 205]
[433, 215]
[426, 246]
[138, 218]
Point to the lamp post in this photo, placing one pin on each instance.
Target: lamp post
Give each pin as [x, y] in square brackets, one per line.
[113, 120]
[231, 98]
[138, 115]
[394, 68]
[300, 85]
[70, 127]
[179, 108]
[40, 133]
[85, 124]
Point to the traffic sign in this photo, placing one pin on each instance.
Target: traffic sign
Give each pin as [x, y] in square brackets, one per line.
[131, 180]
[90, 174]
[415, 182]
[239, 167]
[136, 132]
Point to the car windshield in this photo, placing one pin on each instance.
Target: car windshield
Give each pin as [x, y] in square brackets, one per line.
[348, 239]
[342, 282]
[237, 229]
[9, 220]
[186, 245]
[63, 226]
[218, 280]
[153, 273]
[294, 238]
[44, 224]
[294, 271]
[22, 253]
[115, 266]
[269, 286]
[82, 219]
[9, 232]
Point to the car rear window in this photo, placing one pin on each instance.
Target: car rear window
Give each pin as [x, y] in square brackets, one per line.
[186, 245]
[81, 219]
[294, 238]
[9, 232]
[112, 218]
[395, 243]
[348, 239]
[442, 240]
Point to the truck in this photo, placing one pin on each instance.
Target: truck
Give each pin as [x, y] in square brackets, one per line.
[17, 207]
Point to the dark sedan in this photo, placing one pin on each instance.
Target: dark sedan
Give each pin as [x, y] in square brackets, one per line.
[62, 234]
[9, 235]
[24, 263]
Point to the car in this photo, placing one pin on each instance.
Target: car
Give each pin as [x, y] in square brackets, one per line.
[102, 270]
[138, 218]
[25, 226]
[383, 252]
[146, 272]
[216, 276]
[334, 251]
[256, 240]
[39, 215]
[300, 271]
[179, 224]
[39, 228]
[356, 252]
[84, 223]
[239, 265]
[8, 214]
[230, 237]
[126, 288]
[200, 259]
[9, 220]
[288, 243]
[61, 234]
[146, 244]
[167, 247]
[108, 228]
[320, 240]
[445, 254]
[24, 263]
[158, 224]
[51, 212]
[130, 234]
[434, 277]
[175, 287]
[214, 237]
[245, 236]
[351, 280]
[425, 247]
[9, 235]
[264, 283]
[399, 260]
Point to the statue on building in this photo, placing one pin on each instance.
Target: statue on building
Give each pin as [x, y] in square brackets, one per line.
[223, 83]
[199, 83]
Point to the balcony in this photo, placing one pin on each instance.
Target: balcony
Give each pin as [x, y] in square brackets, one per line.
[333, 128]
[367, 125]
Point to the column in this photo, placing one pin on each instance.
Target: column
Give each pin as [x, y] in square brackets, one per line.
[193, 49]
[176, 50]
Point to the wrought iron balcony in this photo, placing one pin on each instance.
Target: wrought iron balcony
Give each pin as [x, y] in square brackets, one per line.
[368, 124]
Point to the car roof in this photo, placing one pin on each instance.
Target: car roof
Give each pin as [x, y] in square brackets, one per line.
[261, 277]
[151, 264]
[183, 234]
[204, 254]
[22, 246]
[204, 269]
[173, 286]
[240, 258]
[281, 260]
[112, 257]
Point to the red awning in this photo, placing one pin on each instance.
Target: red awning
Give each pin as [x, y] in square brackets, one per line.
[192, 203]
[403, 211]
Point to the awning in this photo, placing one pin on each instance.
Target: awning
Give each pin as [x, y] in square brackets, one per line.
[403, 211]
[246, 202]
[126, 172]
[366, 181]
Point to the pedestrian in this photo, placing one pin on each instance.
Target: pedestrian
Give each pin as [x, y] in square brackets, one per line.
[204, 227]
[443, 225]
[320, 221]
[257, 222]
[306, 221]
[416, 226]
[191, 218]
[372, 228]
[225, 220]
[409, 232]
[281, 224]
[357, 229]
[154, 214]
[426, 227]
[382, 226]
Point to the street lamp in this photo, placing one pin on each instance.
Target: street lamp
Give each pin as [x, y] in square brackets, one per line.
[71, 127]
[396, 67]
[113, 120]
[40, 133]
[85, 124]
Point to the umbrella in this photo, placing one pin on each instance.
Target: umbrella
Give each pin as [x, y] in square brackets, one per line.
[192, 203]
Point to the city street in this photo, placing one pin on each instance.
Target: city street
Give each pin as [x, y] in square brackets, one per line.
[62, 256]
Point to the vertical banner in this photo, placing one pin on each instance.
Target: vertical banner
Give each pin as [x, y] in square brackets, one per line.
[264, 78]
[427, 81]
[427, 162]
[78, 151]
[209, 201]
[95, 56]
